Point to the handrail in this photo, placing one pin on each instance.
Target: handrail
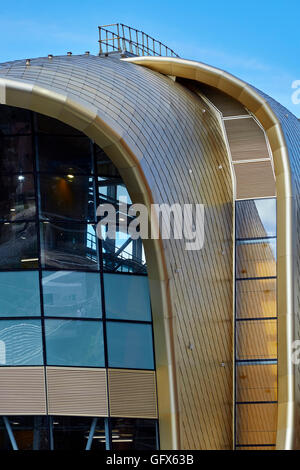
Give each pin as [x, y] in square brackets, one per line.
[127, 39]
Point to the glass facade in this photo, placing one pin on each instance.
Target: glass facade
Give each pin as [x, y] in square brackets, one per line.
[256, 325]
[58, 280]
[77, 433]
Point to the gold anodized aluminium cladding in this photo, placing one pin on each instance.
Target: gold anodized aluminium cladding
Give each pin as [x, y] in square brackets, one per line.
[156, 133]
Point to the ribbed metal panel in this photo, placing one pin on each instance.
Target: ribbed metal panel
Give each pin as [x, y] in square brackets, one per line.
[22, 391]
[246, 139]
[132, 393]
[76, 391]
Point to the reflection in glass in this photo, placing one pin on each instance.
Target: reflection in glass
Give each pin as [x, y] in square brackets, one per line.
[120, 252]
[73, 294]
[137, 434]
[64, 154]
[256, 298]
[256, 339]
[69, 245]
[67, 196]
[130, 345]
[17, 197]
[132, 301]
[16, 154]
[21, 343]
[19, 294]
[256, 218]
[256, 258]
[74, 343]
[256, 382]
[256, 423]
[14, 120]
[18, 245]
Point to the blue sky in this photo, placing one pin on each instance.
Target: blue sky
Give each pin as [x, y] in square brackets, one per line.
[258, 41]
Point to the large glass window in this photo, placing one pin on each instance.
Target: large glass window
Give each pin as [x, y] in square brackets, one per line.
[72, 294]
[74, 343]
[256, 324]
[17, 197]
[16, 155]
[21, 343]
[130, 345]
[77, 433]
[19, 294]
[69, 245]
[18, 245]
[67, 196]
[132, 301]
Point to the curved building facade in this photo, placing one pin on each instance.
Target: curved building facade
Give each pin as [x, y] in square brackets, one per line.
[129, 345]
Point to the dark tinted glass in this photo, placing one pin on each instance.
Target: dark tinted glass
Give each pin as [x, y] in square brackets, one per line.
[104, 165]
[72, 432]
[18, 245]
[64, 154]
[133, 434]
[14, 120]
[69, 245]
[69, 196]
[47, 125]
[30, 432]
[71, 294]
[17, 197]
[16, 154]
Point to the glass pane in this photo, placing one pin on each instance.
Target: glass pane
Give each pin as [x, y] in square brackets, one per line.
[256, 339]
[132, 301]
[16, 154]
[21, 343]
[256, 218]
[133, 434]
[256, 298]
[47, 125]
[17, 197]
[69, 245]
[256, 258]
[130, 345]
[30, 432]
[74, 343]
[72, 432]
[69, 196]
[256, 382]
[14, 120]
[72, 294]
[19, 294]
[105, 167]
[18, 245]
[65, 154]
[257, 423]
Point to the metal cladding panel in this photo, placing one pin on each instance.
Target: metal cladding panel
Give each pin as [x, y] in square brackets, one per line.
[132, 393]
[246, 139]
[22, 391]
[254, 180]
[73, 391]
[178, 141]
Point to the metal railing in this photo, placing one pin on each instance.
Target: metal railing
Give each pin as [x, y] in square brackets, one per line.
[123, 38]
